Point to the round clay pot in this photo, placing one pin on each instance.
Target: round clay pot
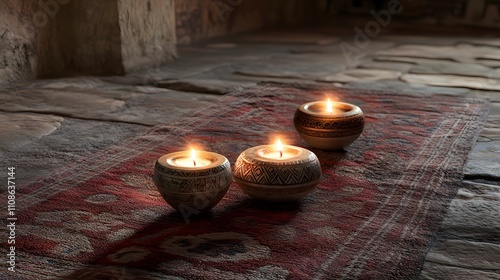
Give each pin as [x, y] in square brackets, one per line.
[277, 180]
[192, 189]
[329, 131]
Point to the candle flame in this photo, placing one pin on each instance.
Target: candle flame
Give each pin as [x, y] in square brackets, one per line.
[280, 147]
[193, 156]
[329, 107]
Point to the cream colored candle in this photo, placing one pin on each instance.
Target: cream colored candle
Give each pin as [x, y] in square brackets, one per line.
[190, 159]
[279, 151]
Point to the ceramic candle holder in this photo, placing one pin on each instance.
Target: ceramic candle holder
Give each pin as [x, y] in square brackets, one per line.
[329, 131]
[192, 188]
[261, 174]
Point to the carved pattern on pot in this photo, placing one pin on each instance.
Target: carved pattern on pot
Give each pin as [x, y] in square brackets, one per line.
[327, 131]
[274, 180]
[197, 189]
[276, 174]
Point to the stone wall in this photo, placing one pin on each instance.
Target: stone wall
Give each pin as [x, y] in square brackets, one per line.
[465, 12]
[83, 37]
[54, 38]
[17, 41]
[202, 19]
[107, 37]
[147, 31]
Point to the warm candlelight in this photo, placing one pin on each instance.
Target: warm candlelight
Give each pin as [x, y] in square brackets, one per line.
[190, 161]
[332, 107]
[278, 152]
[280, 148]
[193, 156]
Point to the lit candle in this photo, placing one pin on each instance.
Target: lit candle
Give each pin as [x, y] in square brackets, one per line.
[329, 125]
[332, 108]
[192, 181]
[329, 108]
[278, 152]
[189, 161]
[277, 172]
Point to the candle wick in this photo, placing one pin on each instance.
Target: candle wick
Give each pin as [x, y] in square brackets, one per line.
[281, 154]
[194, 162]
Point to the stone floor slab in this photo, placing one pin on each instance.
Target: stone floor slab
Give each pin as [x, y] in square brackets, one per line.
[492, 126]
[433, 271]
[484, 160]
[354, 75]
[421, 40]
[212, 86]
[453, 81]
[153, 109]
[179, 69]
[395, 66]
[295, 66]
[145, 109]
[454, 68]
[83, 83]
[241, 53]
[220, 80]
[402, 87]
[460, 53]
[475, 190]
[495, 109]
[73, 140]
[433, 66]
[59, 102]
[466, 254]
[492, 134]
[19, 129]
[488, 62]
[473, 214]
[289, 38]
[313, 49]
[490, 42]
[424, 51]
[222, 45]
[344, 47]
[493, 96]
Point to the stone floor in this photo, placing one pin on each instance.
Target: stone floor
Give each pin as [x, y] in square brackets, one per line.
[45, 124]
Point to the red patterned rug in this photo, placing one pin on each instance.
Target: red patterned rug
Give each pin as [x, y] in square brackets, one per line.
[373, 214]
